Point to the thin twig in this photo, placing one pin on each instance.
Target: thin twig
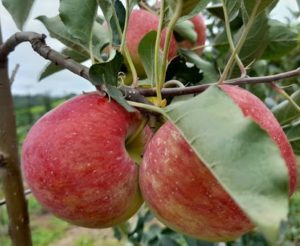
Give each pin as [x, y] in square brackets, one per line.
[286, 96]
[239, 81]
[14, 73]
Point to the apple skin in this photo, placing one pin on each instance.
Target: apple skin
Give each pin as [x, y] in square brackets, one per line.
[200, 28]
[75, 161]
[182, 192]
[140, 23]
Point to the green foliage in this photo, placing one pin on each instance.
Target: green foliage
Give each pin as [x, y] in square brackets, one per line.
[147, 53]
[19, 10]
[105, 75]
[248, 6]
[80, 27]
[58, 30]
[209, 139]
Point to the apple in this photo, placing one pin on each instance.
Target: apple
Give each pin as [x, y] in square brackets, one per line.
[140, 23]
[76, 162]
[182, 192]
[200, 28]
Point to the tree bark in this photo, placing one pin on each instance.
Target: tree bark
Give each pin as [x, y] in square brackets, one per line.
[10, 172]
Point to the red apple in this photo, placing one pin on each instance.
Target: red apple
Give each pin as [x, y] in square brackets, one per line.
[76, 163]
[140, 23]
[183, 193]
[200, 28]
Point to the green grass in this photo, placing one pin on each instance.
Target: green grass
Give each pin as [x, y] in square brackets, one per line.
[43, 236]
[45, 230]
[84, 241]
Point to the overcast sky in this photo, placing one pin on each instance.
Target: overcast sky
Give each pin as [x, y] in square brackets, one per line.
[63, 82]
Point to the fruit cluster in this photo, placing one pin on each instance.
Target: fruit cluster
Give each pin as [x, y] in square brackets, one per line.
[80, 160]
[77, 162]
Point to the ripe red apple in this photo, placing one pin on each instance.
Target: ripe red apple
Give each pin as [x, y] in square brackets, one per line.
[183, 193]
[140, 23]
[75, 161]
[200, 28]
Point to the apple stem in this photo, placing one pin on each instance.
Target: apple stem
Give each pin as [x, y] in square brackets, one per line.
[230, 40]
[240, 43]
[286, 96]
[131, 67]
[169, 34]
[157, 51]
[142, 125]
[123, 48]
[147, 107]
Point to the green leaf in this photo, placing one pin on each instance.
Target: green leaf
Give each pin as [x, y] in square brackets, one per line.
[256, 41]
[233, 7]
[293, 134]
[210, 74]
[107, 72]
[282, 40]
[190, 8]
[286, 112]
[121, 15]
[132, 3]
[195, 242]
[19, 10]
[216, 10]
[186, 30]
[57, 30]
[107, 9]
[78, 17]
[193, 6]
[105, 75]
[239, 153]
[52, 68]
[117, 95]
[255, 45]
[146, 52]
[249, 5]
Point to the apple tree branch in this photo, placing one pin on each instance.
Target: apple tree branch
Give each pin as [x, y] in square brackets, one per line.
[133, 94]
